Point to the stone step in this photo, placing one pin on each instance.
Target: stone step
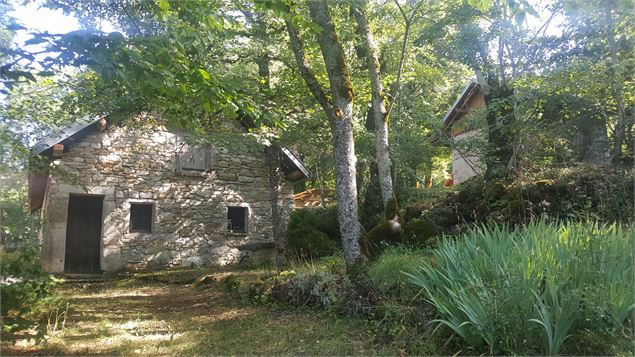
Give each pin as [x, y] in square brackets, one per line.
[83, 278]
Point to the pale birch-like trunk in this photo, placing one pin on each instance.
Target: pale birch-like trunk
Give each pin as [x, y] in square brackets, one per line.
[378, 105]
[339, 111]
[341, 121]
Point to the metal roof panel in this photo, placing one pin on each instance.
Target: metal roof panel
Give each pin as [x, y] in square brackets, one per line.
[64, 134]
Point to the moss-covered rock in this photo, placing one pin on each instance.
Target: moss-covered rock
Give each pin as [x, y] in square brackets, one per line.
[383, 235]
[418, 232]
[605, 195]
[387, 232]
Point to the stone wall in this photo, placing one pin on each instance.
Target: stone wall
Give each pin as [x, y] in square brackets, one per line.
[126, 165]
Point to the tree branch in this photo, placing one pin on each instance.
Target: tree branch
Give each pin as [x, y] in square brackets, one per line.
[305, 72]
[408, 21]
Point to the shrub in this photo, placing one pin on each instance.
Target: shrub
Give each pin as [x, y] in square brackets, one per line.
[27, 296]
[323, 219]
[419, 231]
[313, 232]
[308, 243]
[519, 291]
[19, 229]
[387, 272]
[319, 290]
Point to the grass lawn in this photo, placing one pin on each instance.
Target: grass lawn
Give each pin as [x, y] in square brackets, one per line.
[165, 313]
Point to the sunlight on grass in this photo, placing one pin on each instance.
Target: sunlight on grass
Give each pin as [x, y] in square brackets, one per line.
[144, 314]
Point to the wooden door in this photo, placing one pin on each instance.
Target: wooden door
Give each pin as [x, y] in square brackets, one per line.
[83, 234]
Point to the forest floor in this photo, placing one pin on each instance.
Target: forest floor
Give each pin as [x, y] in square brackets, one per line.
[166, 313]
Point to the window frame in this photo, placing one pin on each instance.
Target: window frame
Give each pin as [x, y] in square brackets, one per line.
[245, 211]
[150, 229]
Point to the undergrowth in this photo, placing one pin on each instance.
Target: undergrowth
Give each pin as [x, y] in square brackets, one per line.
[28, 300]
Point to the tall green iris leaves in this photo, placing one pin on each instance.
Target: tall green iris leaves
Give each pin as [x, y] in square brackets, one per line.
[528, 290]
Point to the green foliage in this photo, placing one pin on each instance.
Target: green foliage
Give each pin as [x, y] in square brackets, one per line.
[323, 219]
[386, 273]
[313, 232]
[419, 231]
[232, 282]
[27, 298]
[306, 242]
[556, 317]
[512, 291]
[17, 227]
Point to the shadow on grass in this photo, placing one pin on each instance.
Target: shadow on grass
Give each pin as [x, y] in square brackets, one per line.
[144, 314]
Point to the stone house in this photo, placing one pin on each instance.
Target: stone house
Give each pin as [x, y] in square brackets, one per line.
[467, 140]
[141, 196]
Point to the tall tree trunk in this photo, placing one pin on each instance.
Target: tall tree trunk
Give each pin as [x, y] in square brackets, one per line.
[378, 105]
[501, 134]
[341, 122]
[339, 111]
[279, 216]
[616, 85]
[319, 180]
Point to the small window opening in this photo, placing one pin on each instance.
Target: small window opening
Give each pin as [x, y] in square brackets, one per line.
[237, 219]
[141, 217]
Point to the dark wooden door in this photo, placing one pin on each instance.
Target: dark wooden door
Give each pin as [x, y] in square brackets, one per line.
[83, 234]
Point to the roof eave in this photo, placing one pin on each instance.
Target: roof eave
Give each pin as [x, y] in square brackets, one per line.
[297, 163]
[64, 134]
[447, 119]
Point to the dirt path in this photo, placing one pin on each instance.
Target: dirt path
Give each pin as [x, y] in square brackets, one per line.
[149, 317]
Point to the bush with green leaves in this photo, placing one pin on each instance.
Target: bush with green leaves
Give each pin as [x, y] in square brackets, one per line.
[17, 227]
[531, 290]
[307, 242]
[313, 232]
[26, 294]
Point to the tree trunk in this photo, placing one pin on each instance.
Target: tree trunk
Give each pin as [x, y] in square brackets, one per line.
[341, 121]
[278, 216]
[378, 105]
[500, 141]
[616, 86]
[339, 111]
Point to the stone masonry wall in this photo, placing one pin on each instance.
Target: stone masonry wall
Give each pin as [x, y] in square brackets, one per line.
[127, 165]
